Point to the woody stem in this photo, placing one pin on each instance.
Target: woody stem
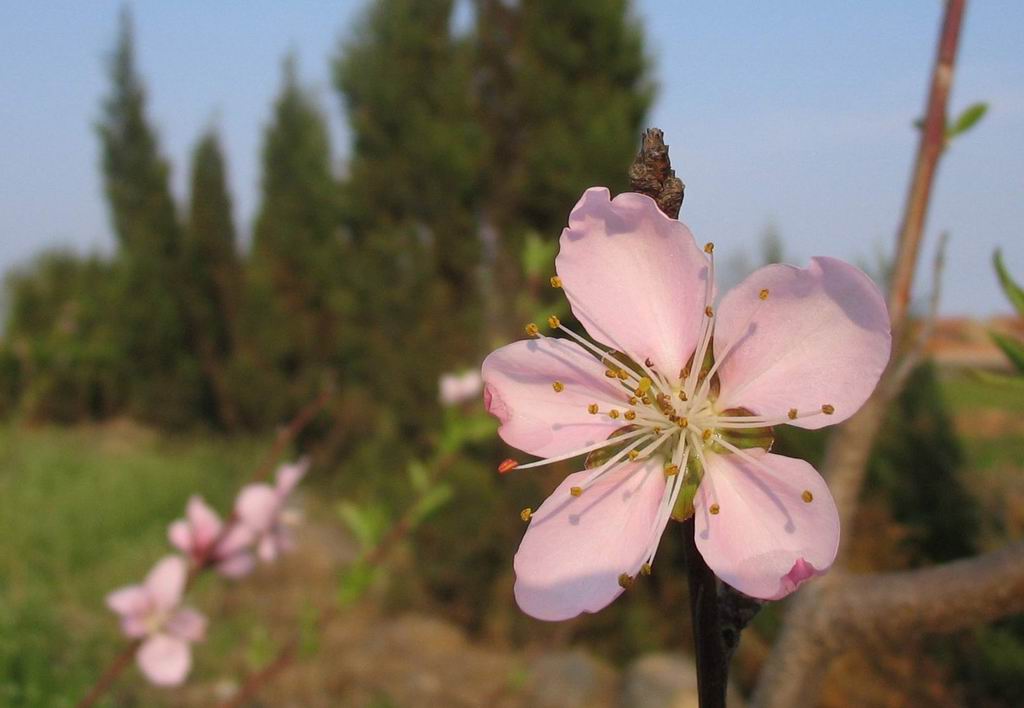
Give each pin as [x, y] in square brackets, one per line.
[712, 658]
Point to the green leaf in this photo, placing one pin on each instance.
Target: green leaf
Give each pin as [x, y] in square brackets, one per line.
[355, 581]
[1012, 383]
[1013, 291]
[419, 477]
[431, 502]
[1013, 349]
[366, 523]
[538, 255]
[967, 119]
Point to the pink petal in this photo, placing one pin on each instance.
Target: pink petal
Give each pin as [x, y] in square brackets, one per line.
[238, 537]
[205, 523]
[166, 582]
[635, 278]
[187, 624]
[236, 566]
[535, 418]
[575, 548]
[821, 337]
[257, 506]
[288, 476]
[165, 660]
[267, 548]
[179, 533]
[765, 539]
[129, 600]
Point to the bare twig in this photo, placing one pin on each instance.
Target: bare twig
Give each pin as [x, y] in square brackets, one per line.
[651, 173]
[109, 676]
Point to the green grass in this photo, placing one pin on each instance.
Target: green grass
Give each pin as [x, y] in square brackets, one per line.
[84, 511]
[964, 392]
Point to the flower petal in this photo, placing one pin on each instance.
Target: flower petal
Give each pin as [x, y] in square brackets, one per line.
[576, 548]
[820, 337]
[634, 277]
[237, 566]
[518, 391]
[187, 624]
[129, 600]
[288, 476]
[165, 660]
[766, 538]
[205, 523]
[257, 506]
[179, 533]
[166, 582]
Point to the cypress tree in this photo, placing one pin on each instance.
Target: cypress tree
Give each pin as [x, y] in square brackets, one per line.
[214, 275]
[163, 374]
[293, 307]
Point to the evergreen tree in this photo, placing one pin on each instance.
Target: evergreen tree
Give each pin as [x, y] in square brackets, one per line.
[214, 275]
[163, 375]
[295, 310]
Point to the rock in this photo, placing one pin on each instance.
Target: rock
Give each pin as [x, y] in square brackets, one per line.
[570, 679]
[665, 681]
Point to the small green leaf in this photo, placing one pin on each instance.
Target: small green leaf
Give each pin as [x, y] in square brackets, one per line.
[431, 502]
[1013, 349]
[355, 581]
[1014, 383]
[967, 119]
[538, 255]
[1013, 291]
[419, 477]
[365, 522]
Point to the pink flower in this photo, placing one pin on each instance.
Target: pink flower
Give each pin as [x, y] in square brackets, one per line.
[459, 388]
[201, 537]
[151, 612]
[261, 508]
[802, 347]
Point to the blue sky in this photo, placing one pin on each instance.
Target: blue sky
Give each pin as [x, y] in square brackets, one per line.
[787, 113]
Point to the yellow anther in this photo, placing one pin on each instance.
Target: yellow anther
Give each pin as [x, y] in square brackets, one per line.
[556, 282]
[629, 415]
[709, 247]
[682, 422]
[592, 409]
[613, 414]
[526, 514]
[763, 294]
[792, 413]
[807, 496]
[709, 311]
[532, 329]
[671, 470]
[644, 386]
[682, 395]
[554, 322]
[633, 400]
[656, 430]
[714, 509]
[575, 491]
[610, 373]
[828, 409]
[558, 386]
[621, 373]
[646, 400]
[626, 581]
[633, 454]
[645, 569]
[706, 435]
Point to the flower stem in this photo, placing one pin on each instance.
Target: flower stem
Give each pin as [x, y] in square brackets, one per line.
[705, 614]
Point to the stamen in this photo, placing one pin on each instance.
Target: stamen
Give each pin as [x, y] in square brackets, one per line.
[629, 415]
[682, 422]
[507, 466]
[596, 350]
[633, 400]
[575, 491]
[709, 247]
[592, 409]
[648, 363]
[610, 373]
[579, 451]
[613, 414]
[714, 509]
[709, 311]
[706, 435]
[532, 329]
[558, 386]
[554, 322]
[763, 294]
[671, 470]
[526, 514]
[626, 581]
[645, 569]
[622, 374]
[633, 454]
[682, 395]
[807, 496]
[644, 386]
[828, 409]
[707, 324]
[556, 282]
[792, 413]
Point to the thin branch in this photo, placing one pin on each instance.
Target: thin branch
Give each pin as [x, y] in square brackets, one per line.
[712, 657]
[651, 173]
[110, 675]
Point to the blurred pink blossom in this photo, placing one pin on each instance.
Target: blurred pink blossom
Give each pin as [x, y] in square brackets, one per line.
[459, 388]
[261, 508]
[151, 612]
[792, 346]
[202, 537]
